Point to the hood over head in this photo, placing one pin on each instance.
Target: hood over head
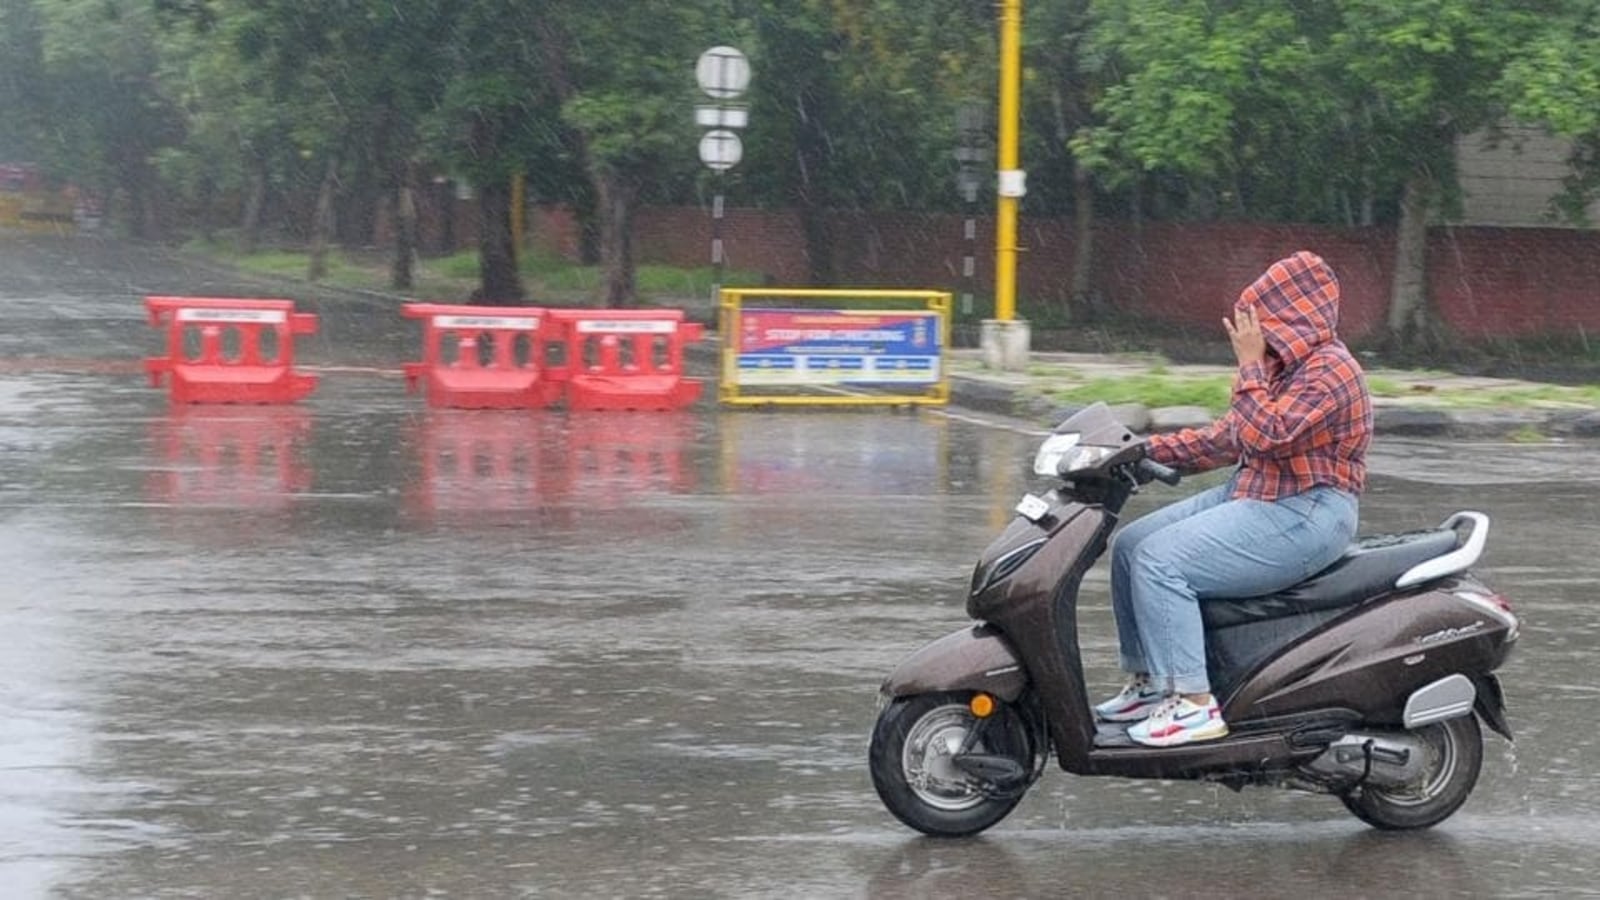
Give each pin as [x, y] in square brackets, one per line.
[1297, 303]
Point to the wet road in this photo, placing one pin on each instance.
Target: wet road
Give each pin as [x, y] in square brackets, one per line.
[357, 648]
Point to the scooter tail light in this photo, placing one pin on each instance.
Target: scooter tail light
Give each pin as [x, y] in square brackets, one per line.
[1495, 604]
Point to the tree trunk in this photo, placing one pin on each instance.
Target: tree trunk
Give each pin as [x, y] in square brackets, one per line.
[208, 209]
[255, 199]
[443, 192]
[144, 223]
[405, 230]
[811, 148]
[499, 282]
[554, 44]
[819, 242]
[588, 229]
[618, 199]
[1084, 303]
[322, 222]
[1410, 325]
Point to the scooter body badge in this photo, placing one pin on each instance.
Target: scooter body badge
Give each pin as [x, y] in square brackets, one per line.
[1032, 508]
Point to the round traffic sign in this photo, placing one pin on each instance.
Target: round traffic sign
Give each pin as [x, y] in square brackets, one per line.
[723, 72]
[721, 149]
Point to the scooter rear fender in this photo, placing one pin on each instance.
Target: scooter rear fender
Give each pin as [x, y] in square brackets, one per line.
[977, 658]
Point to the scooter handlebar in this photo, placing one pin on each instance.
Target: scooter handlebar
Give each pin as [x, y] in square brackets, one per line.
[1150, 470]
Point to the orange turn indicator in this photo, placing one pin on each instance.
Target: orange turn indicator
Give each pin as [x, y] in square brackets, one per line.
[982, 705]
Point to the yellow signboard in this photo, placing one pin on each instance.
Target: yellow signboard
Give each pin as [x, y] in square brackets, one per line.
[834, 347]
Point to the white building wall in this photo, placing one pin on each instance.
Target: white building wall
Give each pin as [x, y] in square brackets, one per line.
[1511, 181]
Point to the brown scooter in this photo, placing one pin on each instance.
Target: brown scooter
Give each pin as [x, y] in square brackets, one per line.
[1361, 682]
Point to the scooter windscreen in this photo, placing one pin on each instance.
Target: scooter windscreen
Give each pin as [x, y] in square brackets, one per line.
[1085, 441]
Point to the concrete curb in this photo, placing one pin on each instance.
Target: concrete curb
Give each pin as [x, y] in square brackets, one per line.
[1010, 397]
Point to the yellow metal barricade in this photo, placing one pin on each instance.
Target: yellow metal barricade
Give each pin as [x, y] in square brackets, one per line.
[809, 346]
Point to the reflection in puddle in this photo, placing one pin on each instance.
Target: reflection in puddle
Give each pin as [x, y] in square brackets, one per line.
[473, 463]
[237, 457]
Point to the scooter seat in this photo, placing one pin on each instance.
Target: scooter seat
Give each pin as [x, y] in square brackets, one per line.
[1368, 569]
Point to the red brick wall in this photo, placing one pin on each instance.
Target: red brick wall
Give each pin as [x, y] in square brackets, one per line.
[553, 230]
[1485, 282]
[1191, 274]
[1506, 281]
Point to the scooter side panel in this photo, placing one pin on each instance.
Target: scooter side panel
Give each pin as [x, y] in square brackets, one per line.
[972, 659]
[1372, 658]
[1037, 607]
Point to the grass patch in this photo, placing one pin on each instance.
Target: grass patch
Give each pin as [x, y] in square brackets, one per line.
[1152, 390]
[1156, 389]
[1378, 386]
[341, 272]
[1551, 395]
[1586, 395]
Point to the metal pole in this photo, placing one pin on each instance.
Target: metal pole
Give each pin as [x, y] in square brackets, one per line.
[1005, 264]
[716, 242]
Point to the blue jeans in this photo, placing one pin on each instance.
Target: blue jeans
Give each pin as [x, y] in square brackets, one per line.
[1163, 565]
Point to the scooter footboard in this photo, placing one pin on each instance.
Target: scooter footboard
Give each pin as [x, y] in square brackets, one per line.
[978, 658]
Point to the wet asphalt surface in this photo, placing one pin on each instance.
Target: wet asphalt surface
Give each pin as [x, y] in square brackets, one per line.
[359, 648]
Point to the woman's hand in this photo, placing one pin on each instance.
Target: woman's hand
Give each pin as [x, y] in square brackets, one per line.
[1249, 345]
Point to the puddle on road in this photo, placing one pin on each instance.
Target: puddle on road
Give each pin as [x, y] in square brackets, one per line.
[368, 649]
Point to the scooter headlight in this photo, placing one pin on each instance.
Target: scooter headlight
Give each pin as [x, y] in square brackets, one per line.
[1062, 453]
[1055, 448]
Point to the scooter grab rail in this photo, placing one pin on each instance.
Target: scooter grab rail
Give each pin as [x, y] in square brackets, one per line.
[1458, 560]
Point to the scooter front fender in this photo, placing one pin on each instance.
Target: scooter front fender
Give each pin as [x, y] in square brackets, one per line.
[978, 658]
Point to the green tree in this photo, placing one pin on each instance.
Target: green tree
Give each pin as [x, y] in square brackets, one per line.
[1061, 106]
[352, 80]
[1309, 111]
[1427, 72]
[237, 137]
[1555, 82]
[109, 115]
[25, 93]
[626, 89]
[856, 106]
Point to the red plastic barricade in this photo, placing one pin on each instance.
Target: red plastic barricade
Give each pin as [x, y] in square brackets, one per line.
[227, 350]
[476, 357]
[624, 358]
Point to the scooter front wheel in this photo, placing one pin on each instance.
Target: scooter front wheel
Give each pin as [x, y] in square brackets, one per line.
[913, 767]
[1454, 757]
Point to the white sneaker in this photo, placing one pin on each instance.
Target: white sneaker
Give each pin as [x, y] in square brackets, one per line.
[1179, 720]
[1137, 700]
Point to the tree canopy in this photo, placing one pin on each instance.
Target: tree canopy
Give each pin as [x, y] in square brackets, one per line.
[316, 120]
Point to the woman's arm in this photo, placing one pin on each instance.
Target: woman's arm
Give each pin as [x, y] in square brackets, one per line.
[1198, 449]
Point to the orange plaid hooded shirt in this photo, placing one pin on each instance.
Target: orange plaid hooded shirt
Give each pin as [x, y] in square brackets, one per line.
[1303, 417]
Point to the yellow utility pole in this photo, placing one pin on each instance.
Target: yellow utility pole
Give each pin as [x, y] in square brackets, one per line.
[1005, 339]
[1011, 178]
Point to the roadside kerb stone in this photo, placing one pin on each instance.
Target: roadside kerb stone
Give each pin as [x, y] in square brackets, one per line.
[1575, 423]
[1411, 422]
[1177, 418]
[1013, 396]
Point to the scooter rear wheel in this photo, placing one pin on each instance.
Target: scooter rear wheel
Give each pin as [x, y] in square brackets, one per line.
[910, 760]
[1455, 757]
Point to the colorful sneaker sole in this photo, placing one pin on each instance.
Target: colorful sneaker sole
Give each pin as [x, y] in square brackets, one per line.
[1137, 711]
[1178, 736]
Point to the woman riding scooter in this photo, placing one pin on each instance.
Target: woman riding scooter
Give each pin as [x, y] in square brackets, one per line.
[1297, 429]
